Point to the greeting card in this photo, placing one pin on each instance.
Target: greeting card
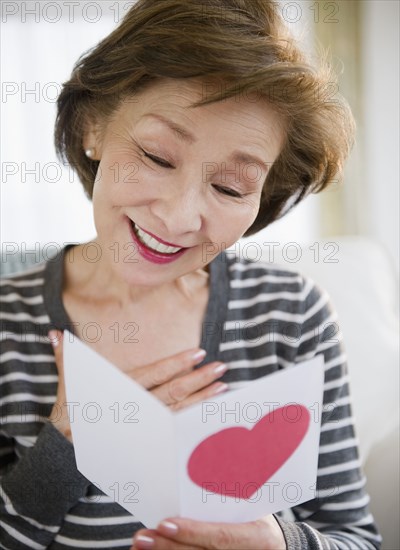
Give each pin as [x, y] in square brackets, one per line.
[236, 457]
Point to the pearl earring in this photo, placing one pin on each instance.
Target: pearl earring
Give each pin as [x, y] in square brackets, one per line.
[89, 153]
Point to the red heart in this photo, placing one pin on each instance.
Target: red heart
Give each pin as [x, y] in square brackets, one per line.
[236, 462]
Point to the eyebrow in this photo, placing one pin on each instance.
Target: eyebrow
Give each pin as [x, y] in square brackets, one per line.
[180, 132]
[184, 135]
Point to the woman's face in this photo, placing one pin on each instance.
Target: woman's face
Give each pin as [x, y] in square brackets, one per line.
[190, 177]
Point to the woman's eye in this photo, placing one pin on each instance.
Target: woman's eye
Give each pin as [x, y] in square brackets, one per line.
[229, 192]
[158, 161]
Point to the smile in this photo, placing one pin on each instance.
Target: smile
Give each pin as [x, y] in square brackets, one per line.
[153, 249]
[152, 243]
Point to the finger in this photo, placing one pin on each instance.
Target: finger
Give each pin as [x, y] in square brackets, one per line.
[203, 395]
[224, 536]
[179, 389]
[149, 538]
[162, 371]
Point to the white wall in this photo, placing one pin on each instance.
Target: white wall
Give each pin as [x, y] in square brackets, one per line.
[381, 122]
[41, 200]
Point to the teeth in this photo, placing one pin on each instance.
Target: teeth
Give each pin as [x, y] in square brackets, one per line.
[149, 241]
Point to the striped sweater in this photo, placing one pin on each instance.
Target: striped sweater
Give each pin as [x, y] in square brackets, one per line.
[259, 319]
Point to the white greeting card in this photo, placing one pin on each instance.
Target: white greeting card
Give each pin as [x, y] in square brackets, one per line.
[236, 457]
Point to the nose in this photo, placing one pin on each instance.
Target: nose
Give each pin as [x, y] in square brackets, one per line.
[180, 212]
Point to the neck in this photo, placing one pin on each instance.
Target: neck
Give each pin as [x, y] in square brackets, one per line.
[97, 280]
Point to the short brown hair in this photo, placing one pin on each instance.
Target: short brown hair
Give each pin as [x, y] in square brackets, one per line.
[243, 44]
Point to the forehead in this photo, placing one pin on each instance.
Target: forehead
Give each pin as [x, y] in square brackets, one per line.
[238, 118]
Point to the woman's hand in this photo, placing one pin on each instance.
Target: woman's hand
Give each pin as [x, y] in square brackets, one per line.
[172, 380]
[176, 384]
[187, 534]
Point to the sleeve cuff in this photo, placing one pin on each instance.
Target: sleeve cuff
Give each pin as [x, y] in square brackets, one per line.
[45, 483]
[294, 537]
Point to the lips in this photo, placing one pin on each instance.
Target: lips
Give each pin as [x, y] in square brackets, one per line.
[152, 248]
[155, 243]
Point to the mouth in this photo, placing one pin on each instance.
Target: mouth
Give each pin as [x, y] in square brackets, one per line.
[152, 248]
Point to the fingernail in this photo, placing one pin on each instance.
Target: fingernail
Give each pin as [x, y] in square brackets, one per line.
[220, 369]
[169, 527]
[199, 355]
[54, 338]
[220, 388]
[142, 541]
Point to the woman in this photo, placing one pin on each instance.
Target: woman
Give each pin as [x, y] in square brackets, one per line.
[194, 123]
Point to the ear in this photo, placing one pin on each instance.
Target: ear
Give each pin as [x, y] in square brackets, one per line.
[92, 140]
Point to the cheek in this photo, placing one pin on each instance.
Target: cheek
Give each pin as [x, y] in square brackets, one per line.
[232, 225]
[116, 179]
[250, 208]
